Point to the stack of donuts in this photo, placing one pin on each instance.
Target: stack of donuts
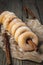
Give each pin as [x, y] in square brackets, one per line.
[25, 38]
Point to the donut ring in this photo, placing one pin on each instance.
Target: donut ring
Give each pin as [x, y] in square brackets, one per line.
[19, 31]
[17, 25]
[2, 15]
[7, 20]
[22, 40]
[8, 14]
[15, 20]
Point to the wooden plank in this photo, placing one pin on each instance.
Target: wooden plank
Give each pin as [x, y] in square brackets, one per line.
[39, 4]
[16, 7]
[20, 62]
[14, 61]
[30, 63]
[2, 58]
[12, 5]
[3, 5]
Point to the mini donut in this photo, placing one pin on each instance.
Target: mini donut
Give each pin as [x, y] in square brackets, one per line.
[2, 15]
[8, 14]
[22, 40]
[17, 25]
[15, 20]
[19, 31]
[7, 21]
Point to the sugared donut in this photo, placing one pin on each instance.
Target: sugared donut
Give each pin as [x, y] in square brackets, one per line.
[17, 25]
[19, 31]
[15, 20]
[22, 40]
[5, 14]
[7, 21]
[2, 15]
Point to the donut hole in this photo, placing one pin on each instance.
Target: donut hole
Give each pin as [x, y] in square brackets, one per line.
[28, 40]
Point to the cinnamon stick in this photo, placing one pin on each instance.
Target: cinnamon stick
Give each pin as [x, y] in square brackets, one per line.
[28, 11]
[7, 47]
[32, 44]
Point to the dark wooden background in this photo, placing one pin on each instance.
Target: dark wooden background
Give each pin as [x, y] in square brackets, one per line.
[16, 6]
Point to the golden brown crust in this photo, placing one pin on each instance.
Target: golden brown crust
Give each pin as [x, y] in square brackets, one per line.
[2, 15]
[17, 25]
[19, 31]
[7, 20]
[22, 40]
[14, 21]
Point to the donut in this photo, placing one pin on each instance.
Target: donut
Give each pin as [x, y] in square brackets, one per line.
[19, 31]
[4, 15]
[15, 20]
[7, 21]
[17, 25]
[22, 40]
